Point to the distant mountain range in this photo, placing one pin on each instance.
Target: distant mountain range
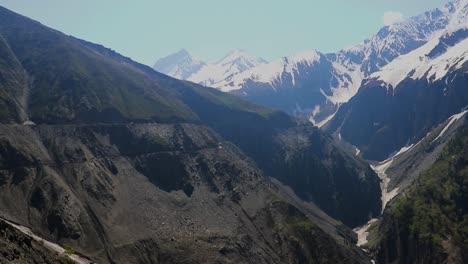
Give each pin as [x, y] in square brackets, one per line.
[179, 65]
[313, 84]
[182, 65]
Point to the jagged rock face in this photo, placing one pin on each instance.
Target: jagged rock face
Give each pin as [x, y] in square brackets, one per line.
[16, 247]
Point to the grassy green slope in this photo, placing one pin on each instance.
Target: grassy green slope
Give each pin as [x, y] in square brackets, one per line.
[76, 81]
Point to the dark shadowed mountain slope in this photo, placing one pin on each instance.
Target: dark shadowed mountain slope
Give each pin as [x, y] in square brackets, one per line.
[428, 222]
[127, 165]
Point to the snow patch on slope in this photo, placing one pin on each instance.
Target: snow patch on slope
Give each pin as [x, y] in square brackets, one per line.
[51, 246]
[381, 169]
[452, 120]
[324, 121]
[349, 79]
[362, 232]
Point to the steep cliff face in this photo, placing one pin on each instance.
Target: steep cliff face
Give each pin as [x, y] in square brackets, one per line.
[428, 223]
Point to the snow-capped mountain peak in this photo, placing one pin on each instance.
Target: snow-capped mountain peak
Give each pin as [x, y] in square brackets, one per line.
[271, 73]
[218, 74]
[180, 65]
[308, 56]
[240, 57]
[316, 84]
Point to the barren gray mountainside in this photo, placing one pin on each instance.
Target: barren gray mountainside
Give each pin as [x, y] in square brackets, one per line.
[126, 165]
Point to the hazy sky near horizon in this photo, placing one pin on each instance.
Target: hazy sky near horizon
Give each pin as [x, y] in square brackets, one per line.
[146, 30]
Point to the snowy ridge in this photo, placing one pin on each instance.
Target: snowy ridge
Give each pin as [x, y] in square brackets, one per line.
[418, 64]
[220, 74]
[180, 65]
[246, 75]
[400, 38]
[272, 73]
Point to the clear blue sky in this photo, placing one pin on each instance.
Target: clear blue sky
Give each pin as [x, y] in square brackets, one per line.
[146, 30]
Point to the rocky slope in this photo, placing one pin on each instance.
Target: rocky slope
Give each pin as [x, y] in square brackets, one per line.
[427, 223]
[127, 165]
[16, 247]
[176, 190]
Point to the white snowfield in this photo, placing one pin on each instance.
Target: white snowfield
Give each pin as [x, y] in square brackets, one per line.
[418, 65]
[51, 246]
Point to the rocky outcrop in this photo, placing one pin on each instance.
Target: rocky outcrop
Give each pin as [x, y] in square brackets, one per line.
[16, 247]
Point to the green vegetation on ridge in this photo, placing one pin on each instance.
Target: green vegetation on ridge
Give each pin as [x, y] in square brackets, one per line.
[432, 216]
